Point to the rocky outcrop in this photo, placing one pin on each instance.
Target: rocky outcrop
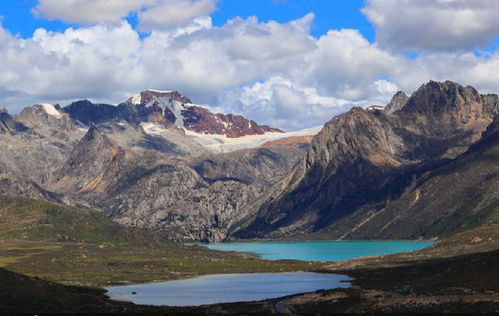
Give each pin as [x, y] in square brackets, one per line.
[12, 184]
[87, 112]
[203, 121]
[93, 163]
[147, 96]
[261, 166]
[9, 125]
[397, 103]
[364, 158]
[47, 120]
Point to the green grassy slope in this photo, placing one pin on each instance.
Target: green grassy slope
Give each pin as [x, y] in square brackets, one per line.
[24, 219]
[83, 247]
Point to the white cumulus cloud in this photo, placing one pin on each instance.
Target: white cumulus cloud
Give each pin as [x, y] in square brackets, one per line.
[434, 25]
[153, 14]
[280, 102]
[171, 13]
[88, 11]
[274, 73]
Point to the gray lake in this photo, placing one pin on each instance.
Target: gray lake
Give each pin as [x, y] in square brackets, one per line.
[225, 288]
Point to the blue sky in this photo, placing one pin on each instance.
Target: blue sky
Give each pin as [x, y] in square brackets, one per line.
[329, 14]
[287, 63]
[18, 19]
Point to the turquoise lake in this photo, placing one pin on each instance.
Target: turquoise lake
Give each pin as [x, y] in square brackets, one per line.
[321, 250]
[226, 288]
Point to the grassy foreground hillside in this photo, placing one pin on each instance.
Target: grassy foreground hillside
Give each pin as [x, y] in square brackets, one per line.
[457, 275]
[83, 247]
[45, 241]
[435, 280]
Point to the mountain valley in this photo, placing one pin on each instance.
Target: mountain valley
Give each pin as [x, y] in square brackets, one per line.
[375, 173]
[99, 195]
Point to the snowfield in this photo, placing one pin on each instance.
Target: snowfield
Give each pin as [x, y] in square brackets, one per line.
[223, 144]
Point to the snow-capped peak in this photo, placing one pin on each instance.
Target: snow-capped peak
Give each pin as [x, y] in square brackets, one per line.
[151, 94]
[51, 110]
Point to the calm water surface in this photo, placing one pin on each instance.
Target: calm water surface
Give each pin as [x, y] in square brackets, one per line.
[225, 288]
[322, 250]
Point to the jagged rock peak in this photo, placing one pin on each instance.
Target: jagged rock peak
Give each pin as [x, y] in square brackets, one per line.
[46, 118]
[149, 95]
[439, 104]
[397, 103]
[438, 95]
[87, 112]
[93, 132]
[95, 136]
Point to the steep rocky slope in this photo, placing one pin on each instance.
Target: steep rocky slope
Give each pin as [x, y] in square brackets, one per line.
[190, 199]
[261, 165]
[135, 162]
[100, 156]
[352, 181]
[374, 173]
[11, 184]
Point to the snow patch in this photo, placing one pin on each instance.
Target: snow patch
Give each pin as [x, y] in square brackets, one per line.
[51, 110]
[159, 91]
[153, 129]
[223, 144]
[136, 99]
[375, 108]
[176, 108]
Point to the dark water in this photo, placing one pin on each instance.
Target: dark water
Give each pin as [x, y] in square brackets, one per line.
[212, 289]
[322, 250]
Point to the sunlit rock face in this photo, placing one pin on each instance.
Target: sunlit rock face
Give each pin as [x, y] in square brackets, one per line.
[363, 161]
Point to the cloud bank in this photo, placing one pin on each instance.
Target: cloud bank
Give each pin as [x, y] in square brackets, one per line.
[428, 25]
[153, 14]
[275, 73]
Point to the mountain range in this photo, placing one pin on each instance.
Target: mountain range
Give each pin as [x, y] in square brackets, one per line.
[424, 166]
